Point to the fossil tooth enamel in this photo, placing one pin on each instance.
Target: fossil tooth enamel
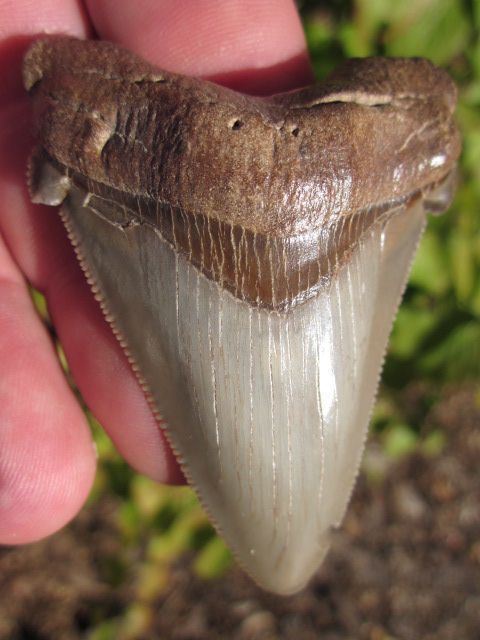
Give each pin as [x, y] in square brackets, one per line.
[250, 255]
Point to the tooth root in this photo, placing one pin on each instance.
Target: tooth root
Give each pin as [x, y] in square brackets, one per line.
[268, 411]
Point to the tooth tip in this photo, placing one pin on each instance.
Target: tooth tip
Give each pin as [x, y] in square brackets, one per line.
[289, 576]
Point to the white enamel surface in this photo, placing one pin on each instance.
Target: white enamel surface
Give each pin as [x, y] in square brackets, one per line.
[267, 411]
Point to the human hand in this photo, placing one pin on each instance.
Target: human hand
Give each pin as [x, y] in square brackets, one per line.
[47, 460]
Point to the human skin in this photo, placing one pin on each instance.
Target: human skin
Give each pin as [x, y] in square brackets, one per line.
[47, 459]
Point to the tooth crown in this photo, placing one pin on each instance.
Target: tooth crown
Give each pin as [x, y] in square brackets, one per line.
[250, 255]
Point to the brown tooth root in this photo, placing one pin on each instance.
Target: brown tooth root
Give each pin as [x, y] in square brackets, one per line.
[250, 255]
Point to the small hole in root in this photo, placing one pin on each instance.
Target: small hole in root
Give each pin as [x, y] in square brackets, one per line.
[295, 131]
[236, 124]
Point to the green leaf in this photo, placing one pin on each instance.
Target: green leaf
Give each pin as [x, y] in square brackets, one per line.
[322, 41]
[152, 579]
[103, 443]
[136, 622]
[430, 270]
[476, 13]
[463, 265]
[107, 630]
[436, 29]
[457, 357]
[354, 42]
[399, 440]
[151, 498]
[384, 412]
[214, 560]
[40, 304]
[434, 443]
[361, 36]
[411, 326]
[475, 301]
[471, 144]
[318, 32]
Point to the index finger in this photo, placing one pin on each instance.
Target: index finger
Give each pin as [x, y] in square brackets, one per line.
[255, 46]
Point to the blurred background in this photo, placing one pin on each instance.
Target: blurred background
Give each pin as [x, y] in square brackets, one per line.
[142, 561]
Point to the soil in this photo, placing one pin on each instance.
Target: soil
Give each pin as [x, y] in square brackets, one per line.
[405, 565]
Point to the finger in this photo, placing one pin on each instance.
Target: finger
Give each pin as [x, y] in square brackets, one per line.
[47, 461]
[23, 19]
[256, 46]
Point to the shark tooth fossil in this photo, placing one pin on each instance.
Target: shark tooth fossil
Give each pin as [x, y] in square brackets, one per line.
[250, 254]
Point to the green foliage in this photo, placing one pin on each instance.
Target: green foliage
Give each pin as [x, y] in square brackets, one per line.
[158, 526]
[436, 29]
[163, 521]
[213, 560]
[399, 439]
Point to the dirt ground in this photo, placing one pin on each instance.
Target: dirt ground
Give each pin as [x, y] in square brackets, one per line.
[405, 565]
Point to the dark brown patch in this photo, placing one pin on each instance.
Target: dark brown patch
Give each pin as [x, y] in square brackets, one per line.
[265, 196]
